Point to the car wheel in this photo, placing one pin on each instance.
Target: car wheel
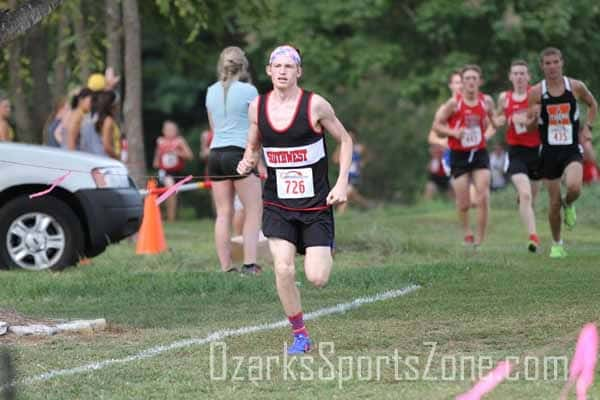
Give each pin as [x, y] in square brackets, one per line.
[39, 234]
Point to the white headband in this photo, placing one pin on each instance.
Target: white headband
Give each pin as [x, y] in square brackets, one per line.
[286, 50]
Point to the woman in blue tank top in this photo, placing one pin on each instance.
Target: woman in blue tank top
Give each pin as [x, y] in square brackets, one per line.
[227, 102]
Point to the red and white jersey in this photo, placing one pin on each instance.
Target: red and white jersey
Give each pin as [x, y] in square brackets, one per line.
[472, 120]
[168, 159]
[517, 134]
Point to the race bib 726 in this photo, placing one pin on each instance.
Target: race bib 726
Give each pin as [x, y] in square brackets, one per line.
[295, 183]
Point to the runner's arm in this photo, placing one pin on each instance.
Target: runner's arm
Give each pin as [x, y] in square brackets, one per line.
[184, 151]
[499, 117]
[434, 139]
[490, 108]
[490, 129]
[583, 93]
[328, 120]
[533, 109]
[440, 122]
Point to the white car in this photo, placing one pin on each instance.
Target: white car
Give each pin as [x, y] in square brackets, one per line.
[95, 205]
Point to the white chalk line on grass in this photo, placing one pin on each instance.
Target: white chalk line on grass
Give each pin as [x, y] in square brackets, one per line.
[215, 336]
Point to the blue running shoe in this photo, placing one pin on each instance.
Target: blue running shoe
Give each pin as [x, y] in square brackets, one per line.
[301, 345]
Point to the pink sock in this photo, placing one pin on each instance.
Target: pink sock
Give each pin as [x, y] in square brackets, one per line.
[297, 323]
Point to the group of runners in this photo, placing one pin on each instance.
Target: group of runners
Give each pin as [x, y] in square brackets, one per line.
[287, 127]
[546, 140]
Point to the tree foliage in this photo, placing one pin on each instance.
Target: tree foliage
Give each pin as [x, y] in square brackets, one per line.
[383, 64]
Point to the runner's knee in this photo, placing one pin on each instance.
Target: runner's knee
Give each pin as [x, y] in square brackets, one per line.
[483, 197]
[525, 197]
[317, 278]
[285, 270]
[555, 203]
[574, 188]
[224, 212]
[463, 206]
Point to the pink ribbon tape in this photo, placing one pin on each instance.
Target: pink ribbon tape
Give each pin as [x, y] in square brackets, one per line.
[56, 182]
[173, 189]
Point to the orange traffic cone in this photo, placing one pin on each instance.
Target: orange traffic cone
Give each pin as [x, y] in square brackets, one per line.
[151, 238]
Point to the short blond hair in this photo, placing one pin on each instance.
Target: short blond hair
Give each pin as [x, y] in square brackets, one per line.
[471, 67]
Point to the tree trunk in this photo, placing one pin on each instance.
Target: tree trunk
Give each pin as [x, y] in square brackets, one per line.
[82, 43]
[17, 90]
[62, 55]
[22, 18]
[132, 107]
[114, 34]
[37, 46]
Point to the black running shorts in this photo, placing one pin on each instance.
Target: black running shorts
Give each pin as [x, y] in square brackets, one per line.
[555, 161]
[223, 162]
[301, 228]
[463, 162]
[441, 182]
[524, 160]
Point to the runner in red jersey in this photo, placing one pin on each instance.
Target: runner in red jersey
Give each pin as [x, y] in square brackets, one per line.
[289, 123]
[467, 122]
[524, 146]
[170, 155]
[439, 173]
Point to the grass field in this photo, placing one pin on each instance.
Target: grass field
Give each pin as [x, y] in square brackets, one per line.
[472, 310]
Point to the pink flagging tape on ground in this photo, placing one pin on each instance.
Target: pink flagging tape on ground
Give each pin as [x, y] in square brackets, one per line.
[488, 382]
[583, 365]
[54, 184]
[173, 189]
[213, 337]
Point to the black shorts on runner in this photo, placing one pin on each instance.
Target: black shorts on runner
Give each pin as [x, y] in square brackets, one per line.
[301, 228]
[463, 162]
[223, 162]
[441, 182]
[524, 160]
[554, 162]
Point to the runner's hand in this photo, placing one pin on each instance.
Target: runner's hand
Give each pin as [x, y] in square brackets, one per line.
[520, 118]
[458, 133]
[245, 166]
[337, 195]
[262, 171]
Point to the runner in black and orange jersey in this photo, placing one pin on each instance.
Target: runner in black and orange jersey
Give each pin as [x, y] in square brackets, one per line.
[553, 104]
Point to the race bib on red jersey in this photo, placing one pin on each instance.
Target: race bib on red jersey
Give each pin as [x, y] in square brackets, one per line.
[169, 160]
[472, 134]
[518, 117]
